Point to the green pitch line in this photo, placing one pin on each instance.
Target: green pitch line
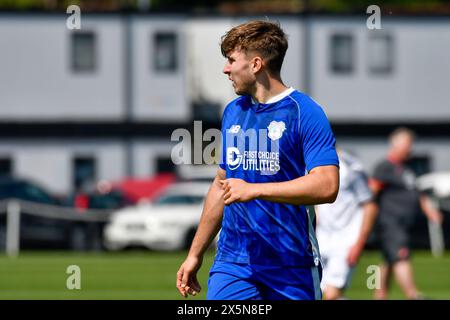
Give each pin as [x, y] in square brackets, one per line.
[151, 275]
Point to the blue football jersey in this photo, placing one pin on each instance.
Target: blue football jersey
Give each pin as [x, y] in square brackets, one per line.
[273, 142]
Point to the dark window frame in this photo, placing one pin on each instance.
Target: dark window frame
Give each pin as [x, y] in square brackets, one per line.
[386, 70]
[334, 67]
[77, 185]
[10, 165]
[421, 163]
[157, 39]
[74, 64]
[164, 164]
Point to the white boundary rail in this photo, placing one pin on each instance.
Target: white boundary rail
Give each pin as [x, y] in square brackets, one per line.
[14, 207]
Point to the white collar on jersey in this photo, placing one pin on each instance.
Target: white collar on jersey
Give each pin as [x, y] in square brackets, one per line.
[278, 97]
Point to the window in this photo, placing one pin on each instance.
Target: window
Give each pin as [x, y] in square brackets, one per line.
[165, 52]
[342, 56]
[83, 51]
[83, 172]
[31, 192]
[420, 164]
[164, 165]
[5, 167]
[380, 55]
[206, 110]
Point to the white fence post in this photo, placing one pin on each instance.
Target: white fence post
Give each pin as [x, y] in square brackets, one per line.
[436, 233]
[436, 238]
[13, 229]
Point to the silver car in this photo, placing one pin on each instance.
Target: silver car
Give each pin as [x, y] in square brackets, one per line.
[168, 223]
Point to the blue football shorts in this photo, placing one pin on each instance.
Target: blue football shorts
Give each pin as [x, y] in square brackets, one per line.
[237, 281]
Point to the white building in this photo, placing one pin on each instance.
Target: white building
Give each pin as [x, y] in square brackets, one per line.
[102, 102]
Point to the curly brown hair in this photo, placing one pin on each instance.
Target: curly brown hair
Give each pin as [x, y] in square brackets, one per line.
[264, 37]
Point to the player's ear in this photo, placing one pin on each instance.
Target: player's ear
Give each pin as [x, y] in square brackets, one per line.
[257, 64]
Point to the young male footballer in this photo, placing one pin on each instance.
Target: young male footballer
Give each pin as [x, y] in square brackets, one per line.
[278, 157]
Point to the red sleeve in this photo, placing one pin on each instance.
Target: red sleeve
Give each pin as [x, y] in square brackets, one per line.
[376, 185]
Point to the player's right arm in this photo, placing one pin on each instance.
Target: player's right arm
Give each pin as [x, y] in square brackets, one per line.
[209, 226]
[429, 210]
[370, 212]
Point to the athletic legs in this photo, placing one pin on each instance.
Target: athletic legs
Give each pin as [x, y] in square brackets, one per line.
[386, 272]
[404, 276]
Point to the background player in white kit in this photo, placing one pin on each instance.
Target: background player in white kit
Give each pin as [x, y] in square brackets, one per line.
[344, 226]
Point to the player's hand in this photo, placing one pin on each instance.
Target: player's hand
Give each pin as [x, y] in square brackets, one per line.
[353, 254]
[237, 190]
[187, 282]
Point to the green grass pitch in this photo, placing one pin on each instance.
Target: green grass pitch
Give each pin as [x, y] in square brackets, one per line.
[151, 275]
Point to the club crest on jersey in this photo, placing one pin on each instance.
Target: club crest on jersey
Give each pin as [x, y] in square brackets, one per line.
[234, 128]
[276, 129]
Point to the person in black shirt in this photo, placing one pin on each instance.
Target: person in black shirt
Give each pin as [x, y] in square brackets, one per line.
[398, 199]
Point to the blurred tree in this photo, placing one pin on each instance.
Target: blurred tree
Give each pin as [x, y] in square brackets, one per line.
[235, 6]
[61, 5]
[397, 6]
[188, 5]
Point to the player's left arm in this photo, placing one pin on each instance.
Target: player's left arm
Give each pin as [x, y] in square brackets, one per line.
[321, 185]
[429, 210]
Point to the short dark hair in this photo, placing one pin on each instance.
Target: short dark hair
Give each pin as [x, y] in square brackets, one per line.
[265, 37]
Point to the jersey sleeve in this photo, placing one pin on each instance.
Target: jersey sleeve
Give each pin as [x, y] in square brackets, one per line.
[361, 187]
[317, 138]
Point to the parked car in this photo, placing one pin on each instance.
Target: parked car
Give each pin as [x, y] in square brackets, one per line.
[38, 230]
[167, 223]
[437, 185]
[105, 194]
[115, 199]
